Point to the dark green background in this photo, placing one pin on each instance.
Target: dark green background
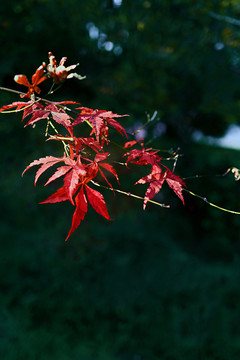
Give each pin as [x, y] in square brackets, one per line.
[160, 284]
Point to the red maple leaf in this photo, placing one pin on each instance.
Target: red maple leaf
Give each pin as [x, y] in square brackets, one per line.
[176, 184]
[97, 164]
[45, 163]
[34, 106]
[156, 179]
[142, 156]
[73, 170]
[82, 142]
[37, 78]
[76, 176]
[59, 196]
[95, 199]
[80, 211]
[19, 105]
[132, 143]
[39, 112]
[99, 120]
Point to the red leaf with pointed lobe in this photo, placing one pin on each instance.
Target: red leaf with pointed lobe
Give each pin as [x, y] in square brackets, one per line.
[90, 115]
[156, 179]
[88, 141]
[40, 112]
[115, 124]
[155, 174]
[61, 118]
[92, 171]
[71, 183]
[132, 143]
[60, 172]
[101, 157]
[143, 156]
[150, 157]
[110, 168]
[79, 213]
[101, 172]
[152, 190]
[17, 104]
[31, 109]
[98, 125]
[38, 115]
[99, 119]
[59, 196]
[176, 184]
[97, 164]
[97, 201]
[85, 115]
[46, 162]
[43, 168]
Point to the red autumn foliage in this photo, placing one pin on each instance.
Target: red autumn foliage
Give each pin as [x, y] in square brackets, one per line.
[157, 176]
[85, 161]
[99, 120]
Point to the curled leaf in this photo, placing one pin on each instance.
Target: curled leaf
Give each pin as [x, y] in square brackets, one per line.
[37, 78]
[59, 72]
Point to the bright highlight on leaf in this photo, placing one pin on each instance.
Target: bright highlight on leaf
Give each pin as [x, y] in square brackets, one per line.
[59, 72]
[37, 79]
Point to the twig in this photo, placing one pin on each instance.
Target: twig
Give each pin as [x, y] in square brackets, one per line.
[225, 18]
[211, 204]
[233, 169]
[149, 119]
[129, 194]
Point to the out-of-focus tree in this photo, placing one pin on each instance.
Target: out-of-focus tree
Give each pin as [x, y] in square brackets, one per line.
[178, 57]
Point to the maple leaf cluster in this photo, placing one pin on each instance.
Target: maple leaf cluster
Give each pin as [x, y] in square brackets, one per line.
[157, 175]
[85, 159]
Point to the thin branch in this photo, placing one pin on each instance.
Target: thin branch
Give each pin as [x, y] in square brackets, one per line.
[130, 194]
[66, 148]
[60, 137]
[211, 204]
[51, 91]
[232, 169]
[149, 119]
[225, 18]
[11, 90]
[37, 98]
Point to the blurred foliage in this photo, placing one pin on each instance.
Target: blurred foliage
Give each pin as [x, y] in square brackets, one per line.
[159, 284]
[180, 57]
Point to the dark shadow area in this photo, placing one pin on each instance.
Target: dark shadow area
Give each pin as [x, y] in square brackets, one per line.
[149, 285]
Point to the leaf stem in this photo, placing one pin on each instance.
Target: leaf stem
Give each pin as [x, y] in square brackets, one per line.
[51, 91]
[61, 138]
[66, 149]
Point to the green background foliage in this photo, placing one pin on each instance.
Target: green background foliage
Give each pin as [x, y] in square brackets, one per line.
[159, 284]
